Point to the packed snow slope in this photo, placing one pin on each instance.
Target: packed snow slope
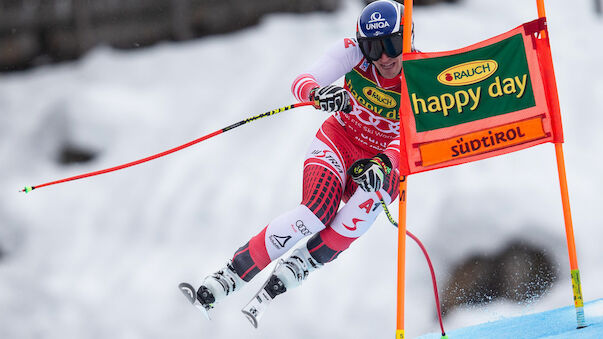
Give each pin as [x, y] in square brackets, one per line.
[102, 257]
[555, 324]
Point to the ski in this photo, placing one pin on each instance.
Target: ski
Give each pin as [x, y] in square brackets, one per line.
[191, 295]
[255, 309]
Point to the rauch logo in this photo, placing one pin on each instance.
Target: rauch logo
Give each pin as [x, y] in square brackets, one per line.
[379, 97]
[468, 73]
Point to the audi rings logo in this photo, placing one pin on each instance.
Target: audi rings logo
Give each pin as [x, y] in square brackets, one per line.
[302, 228]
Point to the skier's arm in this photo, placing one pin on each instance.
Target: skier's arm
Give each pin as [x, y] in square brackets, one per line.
[335, 63]
[392, 151]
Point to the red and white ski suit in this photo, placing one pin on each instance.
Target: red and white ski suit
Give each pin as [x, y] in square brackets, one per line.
[371, 127]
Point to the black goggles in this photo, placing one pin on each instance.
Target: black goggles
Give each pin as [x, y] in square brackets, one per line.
[372, 48]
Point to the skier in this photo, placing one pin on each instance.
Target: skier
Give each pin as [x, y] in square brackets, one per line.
[354, 153]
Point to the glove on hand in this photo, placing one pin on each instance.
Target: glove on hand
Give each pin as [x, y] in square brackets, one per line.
[331, 99]
[369, 174]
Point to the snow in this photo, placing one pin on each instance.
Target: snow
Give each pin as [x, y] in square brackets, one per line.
[559, 323]
[102, 257]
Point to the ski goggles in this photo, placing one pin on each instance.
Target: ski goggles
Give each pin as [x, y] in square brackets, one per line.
[372, 48]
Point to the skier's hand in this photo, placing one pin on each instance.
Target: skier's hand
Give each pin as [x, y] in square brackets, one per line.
[331, 99]
[370, 173]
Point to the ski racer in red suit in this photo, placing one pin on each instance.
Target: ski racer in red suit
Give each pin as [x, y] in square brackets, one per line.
[354, 153]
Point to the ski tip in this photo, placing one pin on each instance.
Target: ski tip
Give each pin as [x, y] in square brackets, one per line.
[252, 319]
[189, 292]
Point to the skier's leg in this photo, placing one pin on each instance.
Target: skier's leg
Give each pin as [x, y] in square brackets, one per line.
[352, 220]
[322, 194]
[274, 240]
[332, 153]
[323, 182]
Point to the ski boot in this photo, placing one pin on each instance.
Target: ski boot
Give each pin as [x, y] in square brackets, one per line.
[214, 288]
[287, 274]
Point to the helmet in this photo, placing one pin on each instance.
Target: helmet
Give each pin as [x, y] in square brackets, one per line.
[379, 29]
[379, 18]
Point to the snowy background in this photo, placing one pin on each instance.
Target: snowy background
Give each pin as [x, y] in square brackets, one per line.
[102, 257]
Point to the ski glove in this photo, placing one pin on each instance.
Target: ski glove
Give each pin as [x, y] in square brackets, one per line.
[331, 99]
[369, 174]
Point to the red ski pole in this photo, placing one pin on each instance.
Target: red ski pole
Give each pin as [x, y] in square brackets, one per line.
[28, 189]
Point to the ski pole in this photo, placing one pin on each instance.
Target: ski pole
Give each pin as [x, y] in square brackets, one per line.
[28, 189]
[433, 279]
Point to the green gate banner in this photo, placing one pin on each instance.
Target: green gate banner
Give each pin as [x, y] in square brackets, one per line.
[487, 99]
